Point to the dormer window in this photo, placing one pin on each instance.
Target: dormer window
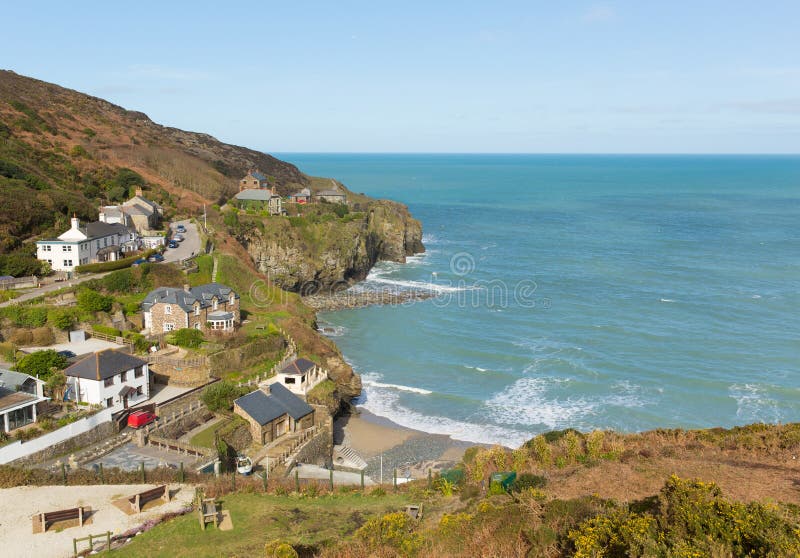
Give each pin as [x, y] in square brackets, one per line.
[215, 303]
[232, 298]
[168, 309]
[196, 309]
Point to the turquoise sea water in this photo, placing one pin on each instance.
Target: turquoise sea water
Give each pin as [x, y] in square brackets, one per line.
[626, 292]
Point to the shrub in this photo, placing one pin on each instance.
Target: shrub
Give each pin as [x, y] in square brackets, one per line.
[526, 481]
[187, 337]
[393, 529]
[41, 363]
[7, 352]
[279, 549]
[541, 449]
[61, 318]
[121, 281]
[92, 301]
[220, 395]
[22, 337]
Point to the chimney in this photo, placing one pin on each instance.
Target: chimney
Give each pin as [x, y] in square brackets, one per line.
[139, 191]
[186, 287]
[74, 222]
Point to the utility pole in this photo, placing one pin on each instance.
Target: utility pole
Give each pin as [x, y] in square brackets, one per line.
[205, 223]
[381, 468]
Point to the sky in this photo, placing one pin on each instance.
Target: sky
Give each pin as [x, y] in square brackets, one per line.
[449, 77]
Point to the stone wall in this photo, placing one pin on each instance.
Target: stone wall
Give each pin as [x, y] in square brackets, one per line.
[97, 434]
[318, 450]
[177, 375]
[177, 428]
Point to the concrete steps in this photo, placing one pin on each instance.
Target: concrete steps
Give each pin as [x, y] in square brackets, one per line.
[345, 456]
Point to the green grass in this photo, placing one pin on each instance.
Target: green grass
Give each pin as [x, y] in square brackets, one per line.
[205, 264]
[260, 518]
[205, 438]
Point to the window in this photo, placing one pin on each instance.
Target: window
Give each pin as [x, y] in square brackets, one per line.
[289, 380]
[108, 382]
[139, 391]
[138, 372]
[110, 402]
[169, 326]
[67, 263]
[215, 303]
[197, 325]
[47, 248]
[67, 248]
[196, 309]
[50, 263]
[123, 377]
[233, 298]
[168, 309]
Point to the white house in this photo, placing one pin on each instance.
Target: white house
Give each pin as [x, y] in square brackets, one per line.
[19, 395]
[109, 378]
[97, 242]
[299, 376]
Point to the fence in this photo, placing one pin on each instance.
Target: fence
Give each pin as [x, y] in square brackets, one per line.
[184, 362]
[178, 446]
[111, 338]
[92, 539]
[19, 449]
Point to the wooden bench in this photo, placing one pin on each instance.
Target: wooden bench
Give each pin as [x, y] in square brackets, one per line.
[41, 521]
[137, 501]
[208, 512]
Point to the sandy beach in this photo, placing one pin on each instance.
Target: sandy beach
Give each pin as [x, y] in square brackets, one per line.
[385, 445]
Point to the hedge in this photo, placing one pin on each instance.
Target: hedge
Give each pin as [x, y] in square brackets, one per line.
[106, 330]
[113, 266]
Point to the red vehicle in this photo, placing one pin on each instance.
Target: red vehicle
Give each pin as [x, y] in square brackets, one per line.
[137, 419]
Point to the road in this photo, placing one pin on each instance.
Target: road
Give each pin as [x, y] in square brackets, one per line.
[50, 287]
[190, 246]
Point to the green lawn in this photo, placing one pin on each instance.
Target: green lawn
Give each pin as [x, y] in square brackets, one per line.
[205, 263]
[260, 518]
[205, 438]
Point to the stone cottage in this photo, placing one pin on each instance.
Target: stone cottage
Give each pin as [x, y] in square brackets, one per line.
[274, 412]
[253, 180]
[212, 308]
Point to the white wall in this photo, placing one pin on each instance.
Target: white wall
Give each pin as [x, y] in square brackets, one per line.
[96, 393]
[18, 449]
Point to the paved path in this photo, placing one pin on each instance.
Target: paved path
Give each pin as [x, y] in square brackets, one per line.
[185, 249]
[130, 457]
[33, 293]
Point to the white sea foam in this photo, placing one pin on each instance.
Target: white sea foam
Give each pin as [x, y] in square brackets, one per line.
[478, 368]
[667, 300]
[753, 403]
[417, 285]
[384, 402]
[332, 331]
[526, 402]
[370, 380]
[756, 296]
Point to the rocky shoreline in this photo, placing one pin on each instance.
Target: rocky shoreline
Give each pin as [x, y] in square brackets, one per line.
[358, 299]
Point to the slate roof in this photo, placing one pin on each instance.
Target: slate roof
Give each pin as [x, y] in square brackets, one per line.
[98, 229]
[103, 365]
[298, 366]
[257, 175]
[186, 299]
[265, 408]
[12, 380]
[10, 398]
[254, 195]
[220, 315]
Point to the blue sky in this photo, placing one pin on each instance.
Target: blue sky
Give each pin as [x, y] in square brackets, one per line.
[567, 77]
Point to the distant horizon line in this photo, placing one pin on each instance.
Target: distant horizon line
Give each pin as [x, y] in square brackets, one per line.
[575, 154]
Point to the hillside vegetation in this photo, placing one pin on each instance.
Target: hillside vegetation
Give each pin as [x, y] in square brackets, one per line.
[64, 152]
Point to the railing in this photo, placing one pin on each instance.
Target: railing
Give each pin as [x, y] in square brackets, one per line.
[164, 420]
[92, 539]
[111, 338]
[180, 447]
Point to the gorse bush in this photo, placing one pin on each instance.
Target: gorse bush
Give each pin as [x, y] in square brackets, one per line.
[220, 395]
[92, 301]
[187, 337]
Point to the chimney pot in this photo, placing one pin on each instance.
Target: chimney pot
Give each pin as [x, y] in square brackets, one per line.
[186, 287]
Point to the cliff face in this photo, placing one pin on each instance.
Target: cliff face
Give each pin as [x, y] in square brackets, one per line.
[307, 257]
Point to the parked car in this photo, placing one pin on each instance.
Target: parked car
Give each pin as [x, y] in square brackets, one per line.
[137, 419]
[155, 258]
[181, 229]
[179, 237]
[172, 244]
[140, 261]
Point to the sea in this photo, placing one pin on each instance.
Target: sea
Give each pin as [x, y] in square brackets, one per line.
[580, 291]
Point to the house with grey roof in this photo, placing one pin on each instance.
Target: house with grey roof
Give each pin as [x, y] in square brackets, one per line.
[109, 378]
[300, 376]
[20, 394]
[260, 200]
[95, 242]
[272, 412]
[253, 180]
[137, 213]
[212, 308]
[302, 197]
[331, 196]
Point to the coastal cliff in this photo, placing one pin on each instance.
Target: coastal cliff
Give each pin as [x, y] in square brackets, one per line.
[321, 251]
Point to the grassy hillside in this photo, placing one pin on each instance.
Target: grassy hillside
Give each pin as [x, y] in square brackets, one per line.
[62, 151]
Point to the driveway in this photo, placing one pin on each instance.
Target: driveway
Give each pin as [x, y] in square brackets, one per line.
[190, 246]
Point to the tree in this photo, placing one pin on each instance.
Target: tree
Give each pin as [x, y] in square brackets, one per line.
[60, 318]
[42, 364]
[56, 384]
[92, 301]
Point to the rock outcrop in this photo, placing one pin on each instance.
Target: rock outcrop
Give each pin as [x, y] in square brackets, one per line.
[331, 255]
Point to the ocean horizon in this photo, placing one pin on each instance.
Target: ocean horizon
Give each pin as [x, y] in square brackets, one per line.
[591, 291]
